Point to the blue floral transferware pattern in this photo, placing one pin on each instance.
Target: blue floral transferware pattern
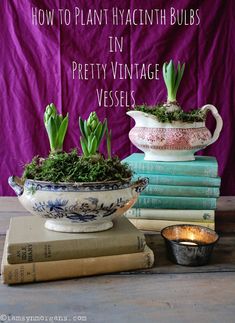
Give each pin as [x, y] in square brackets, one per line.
[78, 212]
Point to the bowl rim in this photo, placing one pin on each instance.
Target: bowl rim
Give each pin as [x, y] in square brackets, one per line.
[124, 181]
[191, 225]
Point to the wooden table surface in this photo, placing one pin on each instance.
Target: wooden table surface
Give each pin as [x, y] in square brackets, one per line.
[164, 294]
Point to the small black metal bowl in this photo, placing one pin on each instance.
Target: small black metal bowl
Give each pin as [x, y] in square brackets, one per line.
[189, 245]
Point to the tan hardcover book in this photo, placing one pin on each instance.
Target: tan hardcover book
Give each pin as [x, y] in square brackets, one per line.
[158, 225]
[29, 241]
[71, 268]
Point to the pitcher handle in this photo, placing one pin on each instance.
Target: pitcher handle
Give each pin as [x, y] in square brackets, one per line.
[219, 122]
[16, 184]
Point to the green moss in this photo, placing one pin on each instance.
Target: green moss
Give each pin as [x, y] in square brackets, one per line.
[70, 167]
[161, 113]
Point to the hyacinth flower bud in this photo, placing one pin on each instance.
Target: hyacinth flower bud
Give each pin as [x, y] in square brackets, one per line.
[92, 121]
[49, 112]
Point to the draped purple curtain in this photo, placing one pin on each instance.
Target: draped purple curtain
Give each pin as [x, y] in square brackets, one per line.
[36, 69]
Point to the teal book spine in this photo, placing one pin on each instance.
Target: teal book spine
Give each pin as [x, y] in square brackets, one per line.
[201, 166]
[173, 202]
[168, 190]
[181, 180]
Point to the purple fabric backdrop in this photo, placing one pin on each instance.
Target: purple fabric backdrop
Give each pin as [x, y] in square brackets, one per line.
[35, 70]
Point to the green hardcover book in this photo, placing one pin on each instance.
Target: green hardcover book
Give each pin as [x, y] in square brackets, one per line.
[29, 241]
[169, 190]
[171, 215]
[201, 166]
[181, 180]
[173, 202]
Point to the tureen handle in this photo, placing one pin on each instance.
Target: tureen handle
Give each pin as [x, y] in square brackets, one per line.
[140, 185]
[16, 184]
[219, 122]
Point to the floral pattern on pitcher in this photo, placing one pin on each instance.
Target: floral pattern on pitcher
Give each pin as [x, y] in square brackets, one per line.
[169, 138]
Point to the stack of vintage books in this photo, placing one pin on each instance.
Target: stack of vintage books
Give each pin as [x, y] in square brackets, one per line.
[33, 253]
[178, 192]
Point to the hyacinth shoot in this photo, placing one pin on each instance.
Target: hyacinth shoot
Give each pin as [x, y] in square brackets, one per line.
[56, 126]
[172, 77]
[92, 131]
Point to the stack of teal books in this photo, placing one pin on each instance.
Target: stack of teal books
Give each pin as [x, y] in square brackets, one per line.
[178, 192]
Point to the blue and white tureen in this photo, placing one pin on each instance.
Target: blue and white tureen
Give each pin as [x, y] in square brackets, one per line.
[77, 207]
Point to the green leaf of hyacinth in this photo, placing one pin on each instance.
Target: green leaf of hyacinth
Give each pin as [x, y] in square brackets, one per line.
[62, 131]
[86, 130]
[46, 115]
[182, 68]
[52, 134]
[102, 132]
[60, 119]
[171, 72]
[93, 146]
[57, 121]
[98, 132]
[164, 72]
[84, 147]
[180, 72]
[91, 142]
[81, 126]
[104, 127]
[88, 144]
[108, 140]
